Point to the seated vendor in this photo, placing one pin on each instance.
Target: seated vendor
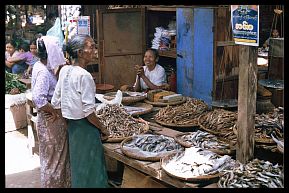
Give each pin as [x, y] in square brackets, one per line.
[151, 76]
[13, 66]
[26, 56]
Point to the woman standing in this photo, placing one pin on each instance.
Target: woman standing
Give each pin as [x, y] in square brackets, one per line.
[152, 75]
[75, 95]
[52, 130]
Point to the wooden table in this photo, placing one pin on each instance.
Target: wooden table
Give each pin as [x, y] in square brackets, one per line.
[153, 169]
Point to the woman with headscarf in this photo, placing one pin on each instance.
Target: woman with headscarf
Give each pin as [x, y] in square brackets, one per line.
[52, 129]
[75, 95]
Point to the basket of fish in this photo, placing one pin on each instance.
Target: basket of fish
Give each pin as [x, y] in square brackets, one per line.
[219, 122]
[128, 97]
[205, 140]
[184, 115]
[255, 174]
[119, 123]
[149, 147]
[196, 164]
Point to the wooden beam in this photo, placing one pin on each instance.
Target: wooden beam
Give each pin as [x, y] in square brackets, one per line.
[246, 103]
[226, 43]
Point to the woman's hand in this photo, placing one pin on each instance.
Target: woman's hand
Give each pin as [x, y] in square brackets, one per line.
[50, 117]
[139, 70]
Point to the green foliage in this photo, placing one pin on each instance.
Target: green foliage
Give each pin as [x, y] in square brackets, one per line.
[11, 81]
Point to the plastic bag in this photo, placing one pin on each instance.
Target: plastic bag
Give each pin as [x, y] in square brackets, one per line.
[117, 100]
[56, 31]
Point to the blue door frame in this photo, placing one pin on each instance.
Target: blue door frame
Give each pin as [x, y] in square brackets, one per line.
[195, 53]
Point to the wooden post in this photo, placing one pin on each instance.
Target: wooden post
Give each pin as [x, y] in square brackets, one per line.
[246, 103]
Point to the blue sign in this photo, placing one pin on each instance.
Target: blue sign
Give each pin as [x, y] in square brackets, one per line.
[245, 24]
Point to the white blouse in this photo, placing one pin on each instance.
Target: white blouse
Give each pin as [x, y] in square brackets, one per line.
[157, 76]
[74, 93]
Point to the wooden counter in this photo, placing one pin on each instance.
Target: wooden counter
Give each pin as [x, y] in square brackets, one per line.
[153, 169]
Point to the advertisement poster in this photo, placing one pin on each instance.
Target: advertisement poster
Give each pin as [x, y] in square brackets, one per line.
[83, 25]
[245, 24]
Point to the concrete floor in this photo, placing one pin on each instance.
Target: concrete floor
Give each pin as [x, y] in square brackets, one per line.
[22, 169]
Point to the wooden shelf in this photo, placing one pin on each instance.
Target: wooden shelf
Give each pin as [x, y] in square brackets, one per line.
[172, 53]
[161, 8]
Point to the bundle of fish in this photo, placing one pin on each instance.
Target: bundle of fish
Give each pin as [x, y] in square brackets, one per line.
[195, 162]
[205, 140]
[185, 114]
[118, 122]
[153, 143]
[255, 174]
[220, 122]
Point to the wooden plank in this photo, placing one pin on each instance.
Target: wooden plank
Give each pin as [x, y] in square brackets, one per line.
[246, 103]
[168, 132]
[226, 43]
[168, 53]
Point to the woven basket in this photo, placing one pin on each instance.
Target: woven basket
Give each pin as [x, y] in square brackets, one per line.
[139, 156]
[178, 139]
[148, 108]
[161, 104]
[206, 129]
[166, 159]
[120, 139]
[125, 100]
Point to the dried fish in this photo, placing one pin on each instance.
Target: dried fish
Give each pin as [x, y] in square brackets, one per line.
[255, 174]
[118, 122]
[195, 162]
[204, 140]
[185, 114]
[153, 143]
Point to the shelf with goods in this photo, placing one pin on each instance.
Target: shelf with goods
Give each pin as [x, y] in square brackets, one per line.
[162, 20]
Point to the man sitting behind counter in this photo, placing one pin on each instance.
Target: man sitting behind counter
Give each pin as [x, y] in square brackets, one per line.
[152, 76]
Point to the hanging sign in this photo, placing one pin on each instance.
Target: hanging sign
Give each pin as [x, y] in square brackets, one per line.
[83, 25]
[245, 24]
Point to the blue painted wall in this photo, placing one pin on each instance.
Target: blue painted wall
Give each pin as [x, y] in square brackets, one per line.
[195, 53]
